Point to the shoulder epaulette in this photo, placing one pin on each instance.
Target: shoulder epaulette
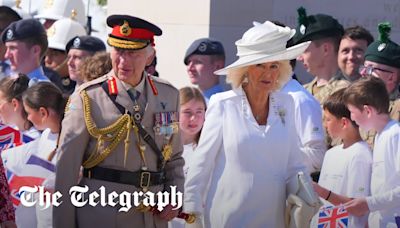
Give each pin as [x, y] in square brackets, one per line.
[96, 81]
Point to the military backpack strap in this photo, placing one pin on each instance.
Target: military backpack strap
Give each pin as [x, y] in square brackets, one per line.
[146, 136]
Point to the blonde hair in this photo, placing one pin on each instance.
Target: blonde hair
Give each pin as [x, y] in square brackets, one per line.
[187, 94]
[236, 76]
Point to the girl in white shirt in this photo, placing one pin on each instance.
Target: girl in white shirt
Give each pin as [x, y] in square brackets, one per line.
[191, 119]
[11, 110]
[45, 105]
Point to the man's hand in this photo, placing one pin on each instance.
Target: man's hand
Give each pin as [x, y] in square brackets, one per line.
[168, 213]
[357, 207]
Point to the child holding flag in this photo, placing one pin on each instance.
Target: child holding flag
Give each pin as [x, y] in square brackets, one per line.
[45, 105]
[346, 169]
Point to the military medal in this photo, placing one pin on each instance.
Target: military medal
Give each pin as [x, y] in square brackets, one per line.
[166, 123]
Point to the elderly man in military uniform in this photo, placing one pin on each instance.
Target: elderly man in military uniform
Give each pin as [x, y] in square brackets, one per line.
[122, 128]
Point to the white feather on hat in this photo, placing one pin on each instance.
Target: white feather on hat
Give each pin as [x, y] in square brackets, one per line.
[264, 43]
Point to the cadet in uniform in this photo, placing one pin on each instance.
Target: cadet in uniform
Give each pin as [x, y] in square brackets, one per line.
[78, 49]
[58, 35]
[382, 60]
[123, 129]
[320, 58]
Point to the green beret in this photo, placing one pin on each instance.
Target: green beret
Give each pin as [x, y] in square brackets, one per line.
[315, 27]
[383, 50]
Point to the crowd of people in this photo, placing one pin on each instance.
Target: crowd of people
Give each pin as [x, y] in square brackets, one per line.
[108, 119]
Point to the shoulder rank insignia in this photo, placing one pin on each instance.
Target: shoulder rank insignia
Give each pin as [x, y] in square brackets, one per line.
[112, 86]
[153, 87]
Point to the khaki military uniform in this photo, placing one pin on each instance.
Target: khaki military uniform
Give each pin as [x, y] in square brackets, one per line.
[76, 144]
[335, 83]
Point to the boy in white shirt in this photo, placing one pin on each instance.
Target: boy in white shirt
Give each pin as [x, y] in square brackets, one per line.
[368, 101]
[346, 170]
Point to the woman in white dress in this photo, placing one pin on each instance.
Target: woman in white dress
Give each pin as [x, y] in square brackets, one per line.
[248, 148]
[45, 105]
[191, 120]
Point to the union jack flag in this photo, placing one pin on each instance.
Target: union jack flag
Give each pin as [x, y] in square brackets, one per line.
[10, 137]
[333, 217]
[34, 173]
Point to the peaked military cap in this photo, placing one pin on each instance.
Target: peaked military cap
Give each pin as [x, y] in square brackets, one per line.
[130, 32]
[316, 27]
[86, 43]
[22, 29]
[384, 50]
[204, 46]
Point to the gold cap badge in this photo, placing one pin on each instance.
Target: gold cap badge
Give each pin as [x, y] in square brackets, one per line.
[125, 29]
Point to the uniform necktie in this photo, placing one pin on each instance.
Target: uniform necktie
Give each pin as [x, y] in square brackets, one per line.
[134, 94]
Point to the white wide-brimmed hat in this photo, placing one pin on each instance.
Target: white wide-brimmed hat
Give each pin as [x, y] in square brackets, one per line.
[264, 43]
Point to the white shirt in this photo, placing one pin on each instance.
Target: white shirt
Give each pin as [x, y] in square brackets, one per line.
[308, 122]
[384, 201]
[347, 172]
[187, 156]
[248, 165]
[47, 144]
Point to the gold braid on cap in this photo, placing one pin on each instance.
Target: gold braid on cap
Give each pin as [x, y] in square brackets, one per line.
[113, 134]
[126, 44]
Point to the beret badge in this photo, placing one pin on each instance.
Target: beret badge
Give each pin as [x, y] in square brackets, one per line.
[77, 42]
[10, 34]
[202, 47]
[381, 46]
[302, 29]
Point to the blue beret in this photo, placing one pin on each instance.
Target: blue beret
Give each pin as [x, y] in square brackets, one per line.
[22, 29]
[86, 43]
[204, 46]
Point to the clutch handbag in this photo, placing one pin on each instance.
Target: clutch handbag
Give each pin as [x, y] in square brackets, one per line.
[300, 185]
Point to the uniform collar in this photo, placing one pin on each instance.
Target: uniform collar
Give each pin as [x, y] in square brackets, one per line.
[140, 87]
[38, 74]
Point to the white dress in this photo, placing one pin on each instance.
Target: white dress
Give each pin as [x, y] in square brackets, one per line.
[308, 122]
[248, 164]
[384, 202]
